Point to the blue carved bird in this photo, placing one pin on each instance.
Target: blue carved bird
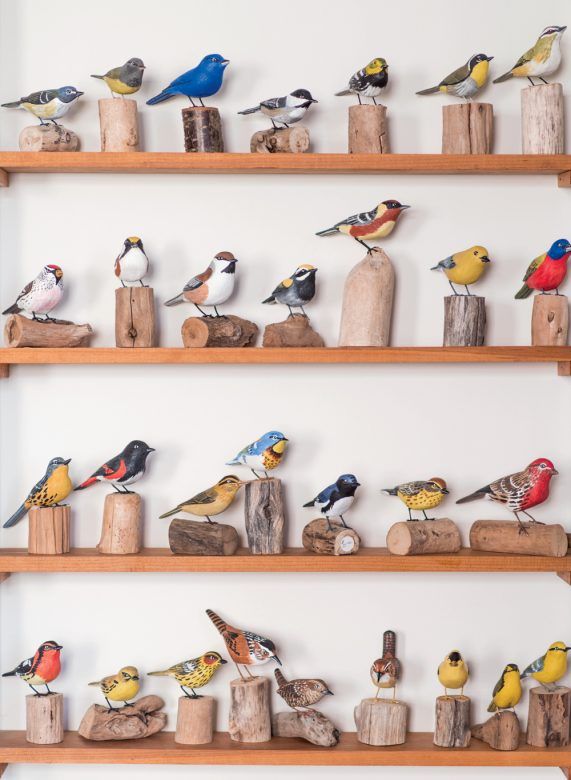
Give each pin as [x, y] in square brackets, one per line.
[263, 454]
[337, 498]
[201, 82]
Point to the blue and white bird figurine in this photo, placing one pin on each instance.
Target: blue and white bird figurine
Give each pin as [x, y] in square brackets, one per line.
[285, 110]
[266, 453]
[201, 82]
[336, 499]
[49, 104]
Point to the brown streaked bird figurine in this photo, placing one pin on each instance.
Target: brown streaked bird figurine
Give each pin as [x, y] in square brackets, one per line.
[386, 670]
[245, 647]
[302, 693]
[212, 501]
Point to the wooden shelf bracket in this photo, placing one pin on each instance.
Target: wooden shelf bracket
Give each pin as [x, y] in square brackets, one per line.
[564, 179]
[4, 178]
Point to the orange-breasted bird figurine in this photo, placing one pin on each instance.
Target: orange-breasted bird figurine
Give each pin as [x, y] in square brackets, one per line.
[369, 225]
[386, 670]
[42, 668]
[244, 647]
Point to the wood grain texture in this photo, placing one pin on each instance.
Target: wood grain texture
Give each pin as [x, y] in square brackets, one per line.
[44, 719]
[228, 331]
[464, 321]
[49, 530]
[503, 536]
[381, 721]
[284, 140]
[137, 720]
[135, 317]
[265, 516]
[467, 128]
[550, 321]
[249, 718]
[20, 331]
[119, 125]
[310, 725]
[333, 538]
[295, 332]
[548, 717]
[424, 537]
[368, 129]
[122, 528]
[195, 720]
[452, 722]
[195, 537]
[501, 732]
[202, 127]
[48, 138]
[543, 120]
[368, 302]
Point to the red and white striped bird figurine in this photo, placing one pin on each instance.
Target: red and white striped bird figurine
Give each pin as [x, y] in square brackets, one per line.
[212, 287]
[42, 668]
[41, 295]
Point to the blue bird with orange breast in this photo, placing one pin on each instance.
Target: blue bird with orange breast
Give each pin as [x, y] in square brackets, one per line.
[201, 82]
[266, 453]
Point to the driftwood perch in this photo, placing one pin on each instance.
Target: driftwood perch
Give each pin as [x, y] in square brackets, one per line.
[19, 331]
[265, 516]
[195, 720]
[452, 721]
[292, 140]
[227, 331]
[44, 719]
[310, 725]
[202, 129]
[467, 128]
[464, 321]
[122, 531]
[119, 125]
[317, 537]
[49, 530]
[550, 321]
[501, 731]
[141, 719]
[368, 131]
[368, 302]
[381, 722]
[190, 537]
[296, 331]
[249, 717]
[543, 119]
[424, 537]
[504, 536]
[134, 317]
[48, 138]
[548, 717]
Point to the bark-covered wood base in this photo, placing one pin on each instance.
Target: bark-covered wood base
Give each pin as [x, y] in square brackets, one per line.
[501, 731]
[19, 331]
[265, 516]
[550, 321]
[381, 722]
[310, 725]
[548, 717]
[296, 331]
[49, 530]
[139, 720]
[202, 129]
[452, 721]
[334, 539]
[191, 537]
[249, 717]
[289, 140]
[48, 138]
[424, 537]
[464, 321]
[135, 317]
[44, 719]
[226, 331]
[506, 536]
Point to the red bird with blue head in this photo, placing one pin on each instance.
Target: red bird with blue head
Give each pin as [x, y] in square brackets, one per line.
[547, 271]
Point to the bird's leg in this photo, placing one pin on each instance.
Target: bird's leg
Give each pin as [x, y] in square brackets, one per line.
[201, 103]
[467, 290]
[239, 671]
[109, 705]
[522, 529]
[254, 473]
[274, 124]
[343, 521]
[191, 101]
[250, 675]
[141, 283]
[47, 318]
[37, 319]
[47, 690]
[409, 513]
[425, 517]
[291, 314]
[303, 312]
[359, 98]
[195, 695]
[544, 81]
[453, 290]
[377, 693]
[266, 473]
[116, 488]
[394, 692]
[34, 690]
[329, 527]
[530, 81]
[212, 522]
[374, 102]
[367, 247]
[183, 689]
[533, 520]
[204, 314]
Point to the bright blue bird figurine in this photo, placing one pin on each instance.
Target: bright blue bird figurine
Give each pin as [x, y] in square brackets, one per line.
[200, 82]
[337, 498]
[266, 453]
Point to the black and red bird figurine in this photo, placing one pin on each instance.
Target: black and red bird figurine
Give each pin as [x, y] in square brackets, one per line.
[42, 668]
[123, 469]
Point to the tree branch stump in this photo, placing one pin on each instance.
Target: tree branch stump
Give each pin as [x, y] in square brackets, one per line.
[44, 719]
[136, 721]
[368, 302]
[19, 331]
[135, 317]
[501, 731]
[48, 138]
[202, 129]
[467, 128]
[249, 718]
[318, 538]
[464, 321]
[424, 537]
[504, 536]
[452, 722]
[296, 331]
[265, 516]
[119, 125]
[310, 725]
[550, 321]
[285, 140]
[49, 530]
[195, 720]
[381, 722]
[368, 130]
[543, 120]
[122, 529]
[227, 331]
[189, 537]
[548, 717]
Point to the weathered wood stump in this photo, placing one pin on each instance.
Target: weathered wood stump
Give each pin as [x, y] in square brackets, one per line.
[501, 731]
[190, 537]
[310, 725]
[296, 331]
[19, 331]
[122, 529]
[467, 128]
[464, 321]
[368, 302]
[368, 130]
[48, 138]
[49, 530]
[249, 718]
[202, 128]
[381, 722]
[227, 331]
[136, 721]
[452, 721]
[119, 125]
[319, 538]
[548, 717]
[550, 321]
[288, 140]
[135, 317]
[424, 537]
[195, 720]
[44, 719]
[543, 120]
[505, 536]
[265, 516]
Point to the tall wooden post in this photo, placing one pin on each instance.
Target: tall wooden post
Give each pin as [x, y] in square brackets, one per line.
[44, 719]
[543, 119]
[49, 530]
[467, 128]
[195, 720]
[122, 529]
[265, 516]
[202, 129]
[550, 321]
[250, 719]
[119, 125]
[452, 722]
[134, 317]
[464, 321]
[368, 302]
[368, 130]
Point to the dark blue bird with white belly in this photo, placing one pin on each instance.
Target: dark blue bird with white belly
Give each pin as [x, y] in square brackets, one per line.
[336, 499]
[201, 82]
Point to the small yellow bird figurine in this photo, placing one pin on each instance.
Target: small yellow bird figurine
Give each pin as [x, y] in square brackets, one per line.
[548, 669]
[466, 81]
[453, 672]
[464, 267]
[507, 690]
[195, 673]
[122, 686]
[420, 495]
[212, 501]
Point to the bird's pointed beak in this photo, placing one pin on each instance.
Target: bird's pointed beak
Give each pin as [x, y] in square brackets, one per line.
[378, 676]
[79, 94]
[445, 491]
[489, 59]
[329, 693]
[313, 100]
[485, 259]
[225, 62]
[277, 660]
[404, 207]
[554, 472]
[223, 661]
[67, 461]
[58, 647]
[151, 449]
[135, 677]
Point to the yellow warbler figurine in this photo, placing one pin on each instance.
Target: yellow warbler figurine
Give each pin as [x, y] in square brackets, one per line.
[507, 690]
[212, 501]
[195, 673]
[453, 672]
[548, 669]
[122, 686]
[464, 267]
[466, 81]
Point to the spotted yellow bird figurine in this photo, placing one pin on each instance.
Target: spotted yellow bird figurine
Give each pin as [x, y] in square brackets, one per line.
[548, 669]
[195, 673]
[542, 59]
[466, 81]
[420, 495]
[507, 690]
[53, 488]
[122, 686]
[453, 672]
[212, 501]
[464, 267]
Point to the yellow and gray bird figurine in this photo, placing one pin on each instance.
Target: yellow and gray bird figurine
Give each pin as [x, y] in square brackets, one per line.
[548, 669]
[50, 104]
[132, 264]
[453, 672]
[369, 81]
[212, 501]
[464, 267]
[53, 488]
[295, 291]
[507, 690]
[466, 81]
[541, 60]
[122, 686]
[125, 79]
[420, 495]
[195, 673]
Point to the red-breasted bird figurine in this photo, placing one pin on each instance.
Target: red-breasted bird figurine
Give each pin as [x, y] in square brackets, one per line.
[385, 671]
[41, 669]
[245, 647]
[369, 225]
[123, 469]
[547, 271]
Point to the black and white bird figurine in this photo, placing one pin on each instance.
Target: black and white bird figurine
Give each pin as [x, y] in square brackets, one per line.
[336, 499]
[295, 291]
[369, 81]
[284, 110]
[132, 265]
[41, 295]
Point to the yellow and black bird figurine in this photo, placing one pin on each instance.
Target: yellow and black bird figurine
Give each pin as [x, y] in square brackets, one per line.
[507, 690]
[212, 501]
[297, 290]
[464, 267]
[420, 495]
[548, 669]
[369, 81]
[195, 673]
[453, 672]
[53, 488]
[542, 59]
[125, 79]
[386, 670]
[369, 225]
[466, 81]
[122, 686]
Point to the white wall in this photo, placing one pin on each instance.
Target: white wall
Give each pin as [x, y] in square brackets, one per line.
[386, 424]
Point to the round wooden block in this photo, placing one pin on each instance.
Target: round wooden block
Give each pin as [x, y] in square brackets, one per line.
[368, 131]
[452, 722]
[319, 538]
[44, 719]
[424, 537]
[464, 321]
[48, 138]
[543, 119]
[195, 720]
[265, 516]
[381, 722]
[119, 125]
[550, 321]
[135, 317]
[191, 537]
[227, 331]
[122, 529]
[500, 732]
[49, 530]
[467, 128]
[288, 140]
[548, 717]
[20, 331]
[504, 536]
[249, 718]
[202, 129]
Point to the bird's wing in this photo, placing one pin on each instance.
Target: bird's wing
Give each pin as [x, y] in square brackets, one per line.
[39, 98]
[107, 684]
[273, 103]
[325, 494]
[456, 76]
[534, 265]
[114, 73]
[112, 468]
[25, 290]
[283, 285]
[186, 667]
[535, 666]
[411, 488]
[525, 58]
[511, 486]
[206, 497]
[185, 78]
[359, 219]
[198, 280]
[448, 262]
[38, 486]
[498, 686]
[25, 666]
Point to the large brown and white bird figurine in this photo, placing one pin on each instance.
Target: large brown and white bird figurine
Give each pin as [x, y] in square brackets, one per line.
[212, 287]
[132, 265]
[245, 647]
[41, 295]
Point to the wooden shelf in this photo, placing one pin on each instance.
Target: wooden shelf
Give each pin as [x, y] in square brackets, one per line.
[174, 162]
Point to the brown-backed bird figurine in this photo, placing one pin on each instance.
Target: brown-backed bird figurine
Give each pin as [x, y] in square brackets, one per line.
[385, 671]
[302, 693]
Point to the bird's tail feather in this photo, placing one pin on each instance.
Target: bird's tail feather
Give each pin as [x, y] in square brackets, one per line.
[160, 98]
[18, 515]
[168, 514]
[250, 110]
[280, 679]
[472, 497]
[310, 503]
[271, 299]
[505, 77]
[87, 483]
[15, 104]
[164, 673]
[492, 707]
[437, 267]
[429, 91]
[343, 93]
[390, 491]
[525, 292]
[327, 231]
[218, 622]
[175, 301]
[13, 309]
[95, 76]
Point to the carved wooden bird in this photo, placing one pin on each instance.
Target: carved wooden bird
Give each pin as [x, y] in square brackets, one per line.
[301, 693]
[369, 225]
[244, 647]
[385, 671]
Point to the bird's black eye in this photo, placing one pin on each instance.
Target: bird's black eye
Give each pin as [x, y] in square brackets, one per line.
[476, 252]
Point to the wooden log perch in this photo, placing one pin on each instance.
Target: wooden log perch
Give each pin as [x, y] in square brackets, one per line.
[368, 130]
[550, 321]
[202, 129]
[44, 719]
[195, 720]
[191, 537]
[310, 725]
[19, 331]
[136, 721]
[464, 321]
[119, 125]
[467, 128]
[249, 717]
[227, 331]
[504, 536]
[452, 721]
[265, 516]
[368, 302]
[296, 331]
[288, 140]
[381, 722]
[424, 537]
[49, 530]
[122, 529]
[135, 317]
[501, 731]
[543, 120]
[548, 717]
[48, 138]
[317, 537]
